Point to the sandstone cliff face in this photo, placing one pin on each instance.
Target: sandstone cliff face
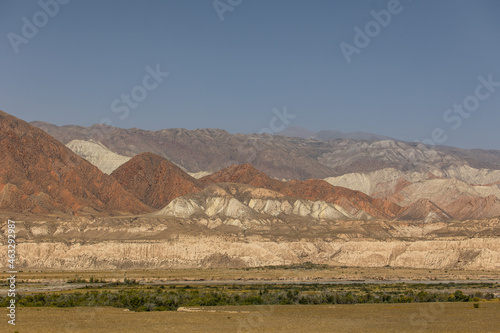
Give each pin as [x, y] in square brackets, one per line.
[154, 180]
[193, 252]
[164, 243]
[40, 175]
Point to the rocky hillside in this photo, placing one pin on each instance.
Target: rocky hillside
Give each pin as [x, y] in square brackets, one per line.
[353, 202]
[394, 179]
[454, 196]
[423, 210]
[245, 203]
[202, 150]
[398, 205]
[384, 182]
[40, 175]
[154, 180]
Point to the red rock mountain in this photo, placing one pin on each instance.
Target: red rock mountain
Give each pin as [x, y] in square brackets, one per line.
[154, 180]
[40, 175]
[312, 189]
[243, 174]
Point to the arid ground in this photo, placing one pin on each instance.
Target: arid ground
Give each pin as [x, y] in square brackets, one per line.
[395, 317]
[426, 317]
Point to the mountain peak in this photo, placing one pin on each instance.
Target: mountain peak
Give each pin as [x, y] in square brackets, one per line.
[243, 173]
[155, 180]
[40, 175]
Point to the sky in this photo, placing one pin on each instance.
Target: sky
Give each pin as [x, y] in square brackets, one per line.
[421, 70]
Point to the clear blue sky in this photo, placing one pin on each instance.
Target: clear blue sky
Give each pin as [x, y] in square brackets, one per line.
[230, 74]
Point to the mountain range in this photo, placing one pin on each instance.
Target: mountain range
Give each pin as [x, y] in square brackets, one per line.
[109, 198]
[210, 150]
[107, 170]
[40, 175]
[326, 135]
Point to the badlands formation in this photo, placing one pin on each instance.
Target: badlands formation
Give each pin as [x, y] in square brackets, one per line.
[156, 242]
[123, 199]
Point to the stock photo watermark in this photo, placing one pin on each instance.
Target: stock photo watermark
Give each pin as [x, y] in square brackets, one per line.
[223, 6]
[11, 280]
[31, 26]
[460, 111]
[363, 37]
[139, 93]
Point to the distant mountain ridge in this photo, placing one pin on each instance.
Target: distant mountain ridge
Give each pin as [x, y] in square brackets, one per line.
[326, 135]
[210, 150]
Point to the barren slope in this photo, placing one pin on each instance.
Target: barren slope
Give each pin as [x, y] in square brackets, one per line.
[100, 156]
[244, 202]
[40, 175]
[154, 180]
[354, 202]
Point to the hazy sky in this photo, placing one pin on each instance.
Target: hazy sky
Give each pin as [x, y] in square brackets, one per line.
[86, 61]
